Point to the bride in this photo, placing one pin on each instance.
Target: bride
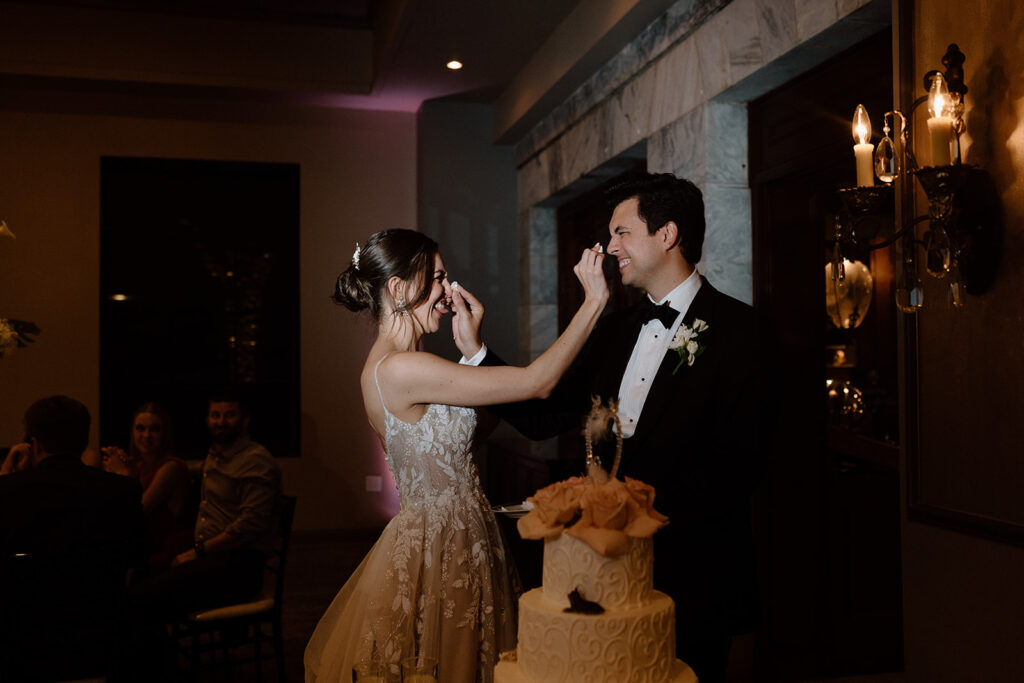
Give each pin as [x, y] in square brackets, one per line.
[436, 583]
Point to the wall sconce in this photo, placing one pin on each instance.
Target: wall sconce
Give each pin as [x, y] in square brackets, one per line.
[964, 215]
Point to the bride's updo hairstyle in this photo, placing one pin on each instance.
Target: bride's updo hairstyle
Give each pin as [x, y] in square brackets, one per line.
[405, 254]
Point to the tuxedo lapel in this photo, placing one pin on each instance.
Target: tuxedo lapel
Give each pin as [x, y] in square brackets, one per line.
[664, 392]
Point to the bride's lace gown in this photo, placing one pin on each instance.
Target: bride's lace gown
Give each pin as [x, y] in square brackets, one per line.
[437, 581]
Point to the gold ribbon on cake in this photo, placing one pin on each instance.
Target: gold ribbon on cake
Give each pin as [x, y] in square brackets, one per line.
[602, 511]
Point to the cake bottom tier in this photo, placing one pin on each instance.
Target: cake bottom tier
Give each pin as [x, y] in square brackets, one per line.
[509, 672]
[635, 645]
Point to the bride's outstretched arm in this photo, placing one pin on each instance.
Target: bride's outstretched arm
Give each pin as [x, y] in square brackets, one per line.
[416, 378]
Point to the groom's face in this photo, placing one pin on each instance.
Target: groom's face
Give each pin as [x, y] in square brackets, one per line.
[639, 253]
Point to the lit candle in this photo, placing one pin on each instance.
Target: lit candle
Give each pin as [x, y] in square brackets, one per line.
[863, 150]
[940, 125]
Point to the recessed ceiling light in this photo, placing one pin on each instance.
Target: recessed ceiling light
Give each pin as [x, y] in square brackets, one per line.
[454, 65]
[118, 297]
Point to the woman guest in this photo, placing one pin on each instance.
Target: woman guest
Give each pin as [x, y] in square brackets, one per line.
[164, 479]
[436, 583]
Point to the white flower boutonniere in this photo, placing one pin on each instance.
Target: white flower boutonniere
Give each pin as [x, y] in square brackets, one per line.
[688, 342]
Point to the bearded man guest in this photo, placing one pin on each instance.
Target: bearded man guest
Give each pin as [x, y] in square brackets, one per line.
[240, 492]
[687, 367]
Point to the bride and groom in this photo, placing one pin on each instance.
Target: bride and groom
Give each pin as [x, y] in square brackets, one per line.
[685, 368]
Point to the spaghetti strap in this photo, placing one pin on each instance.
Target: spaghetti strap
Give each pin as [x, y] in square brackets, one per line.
[376, 381]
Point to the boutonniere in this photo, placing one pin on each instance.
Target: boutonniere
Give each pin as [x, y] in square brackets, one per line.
[688, 342]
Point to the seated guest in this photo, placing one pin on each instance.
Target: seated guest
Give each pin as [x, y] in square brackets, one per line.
[68, 536]
[237, 521]
[164, 480]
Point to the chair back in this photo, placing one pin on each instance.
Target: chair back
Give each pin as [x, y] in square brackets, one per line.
[273, 583]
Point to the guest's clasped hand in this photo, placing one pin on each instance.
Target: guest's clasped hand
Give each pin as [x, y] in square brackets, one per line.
[117, 461]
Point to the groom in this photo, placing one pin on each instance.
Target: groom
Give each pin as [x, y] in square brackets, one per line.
[696, 431]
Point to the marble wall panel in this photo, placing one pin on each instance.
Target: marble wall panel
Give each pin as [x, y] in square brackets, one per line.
[679, 147]
[543, 330]
[543, 225]
[741, 38]
[677, 85]
[580, 150]
[814, 16]
[733, 279]
[533, 181]
[776, 26]
[525, 239]
[626, 117]
[845, 7]
[677, 23]
[714, 66]
[543, 279]
[727, 210]
[726, 125]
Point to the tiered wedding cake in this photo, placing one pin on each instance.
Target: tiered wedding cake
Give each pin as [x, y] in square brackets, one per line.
[597, 617]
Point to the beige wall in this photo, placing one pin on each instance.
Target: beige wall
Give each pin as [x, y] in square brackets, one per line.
[963, 596]
[358, 174]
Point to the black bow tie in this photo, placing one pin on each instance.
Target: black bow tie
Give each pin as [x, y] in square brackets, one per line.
[663, 312]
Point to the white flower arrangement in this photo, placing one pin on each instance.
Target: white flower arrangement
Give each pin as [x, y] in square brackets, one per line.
[687, 342]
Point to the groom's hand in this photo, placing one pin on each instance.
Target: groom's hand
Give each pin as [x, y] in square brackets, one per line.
[469, 315]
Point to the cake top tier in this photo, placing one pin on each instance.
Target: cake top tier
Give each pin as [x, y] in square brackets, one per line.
[612, 582]
[602, 515]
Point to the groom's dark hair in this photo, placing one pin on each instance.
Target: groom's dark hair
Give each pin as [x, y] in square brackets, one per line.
[662, 197]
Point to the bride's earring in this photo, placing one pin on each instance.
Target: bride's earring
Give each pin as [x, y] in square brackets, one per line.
[400, 306]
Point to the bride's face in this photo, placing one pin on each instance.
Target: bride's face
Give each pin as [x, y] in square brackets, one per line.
[437, 304]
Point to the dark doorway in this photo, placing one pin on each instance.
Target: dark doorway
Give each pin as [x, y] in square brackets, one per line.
[828, 516]
[199, 289]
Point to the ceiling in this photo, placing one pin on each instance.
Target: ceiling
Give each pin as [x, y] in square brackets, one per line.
[411, 42]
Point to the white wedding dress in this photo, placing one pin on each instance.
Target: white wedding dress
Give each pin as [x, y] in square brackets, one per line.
[437, 581]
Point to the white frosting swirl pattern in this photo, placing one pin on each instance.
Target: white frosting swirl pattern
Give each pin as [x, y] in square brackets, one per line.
[613, 582]
[634, 645]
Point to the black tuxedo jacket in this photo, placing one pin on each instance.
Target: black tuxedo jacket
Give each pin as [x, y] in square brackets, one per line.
[701, 441]
[68, 535]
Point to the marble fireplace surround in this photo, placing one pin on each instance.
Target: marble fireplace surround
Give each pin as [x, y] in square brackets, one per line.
[676, 94]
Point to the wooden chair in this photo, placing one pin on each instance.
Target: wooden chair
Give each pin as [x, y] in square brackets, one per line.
[227, 628]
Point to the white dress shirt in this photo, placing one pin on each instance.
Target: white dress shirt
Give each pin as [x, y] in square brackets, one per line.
[651, 347]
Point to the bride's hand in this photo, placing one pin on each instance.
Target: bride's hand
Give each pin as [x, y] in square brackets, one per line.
[590, 272]
[468, 316]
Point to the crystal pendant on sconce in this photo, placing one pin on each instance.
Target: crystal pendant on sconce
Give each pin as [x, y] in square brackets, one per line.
[838, 271]
[957, 290]
[909, 292]
[939, 252]
[887, 165]
[957, 293]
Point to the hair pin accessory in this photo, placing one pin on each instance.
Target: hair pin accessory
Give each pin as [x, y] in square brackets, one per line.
[355, 256]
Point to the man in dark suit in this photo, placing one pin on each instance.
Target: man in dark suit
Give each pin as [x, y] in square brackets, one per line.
[68, 536]
[694, 419]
